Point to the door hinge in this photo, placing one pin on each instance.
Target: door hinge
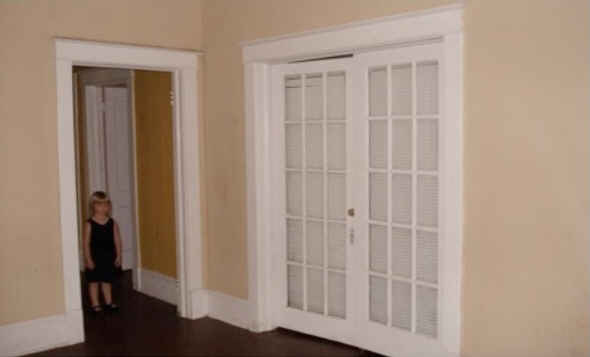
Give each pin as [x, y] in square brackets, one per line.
[172, 98]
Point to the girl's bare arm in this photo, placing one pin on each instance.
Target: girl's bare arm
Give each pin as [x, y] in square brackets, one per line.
[118, 244]
[87, 254]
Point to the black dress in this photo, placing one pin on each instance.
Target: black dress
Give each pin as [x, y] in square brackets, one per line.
[102, 251]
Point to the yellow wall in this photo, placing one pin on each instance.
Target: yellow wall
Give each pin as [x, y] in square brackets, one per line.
[155, 180]
[527, 160]
[30, 257]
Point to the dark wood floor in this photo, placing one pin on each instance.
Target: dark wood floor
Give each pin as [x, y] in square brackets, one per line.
[149, 327]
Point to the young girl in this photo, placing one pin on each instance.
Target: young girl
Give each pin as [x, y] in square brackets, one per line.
[102, 250]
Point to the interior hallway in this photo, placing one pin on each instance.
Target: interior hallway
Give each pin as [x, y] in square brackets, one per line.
[147, 326]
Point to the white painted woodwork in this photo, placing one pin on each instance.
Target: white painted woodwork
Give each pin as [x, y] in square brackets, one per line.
[410, 144]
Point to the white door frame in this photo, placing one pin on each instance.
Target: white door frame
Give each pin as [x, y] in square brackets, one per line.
[183, 66]
[444, 24]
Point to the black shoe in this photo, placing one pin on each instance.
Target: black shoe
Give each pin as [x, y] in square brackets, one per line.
[111, 307]
[95, 309]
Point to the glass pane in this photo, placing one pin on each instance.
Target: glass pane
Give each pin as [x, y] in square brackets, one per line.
[295, 240]
[336, 245]
[294, 193]
[427, 144]
[315, 194]
[378, 248]
[378, 92]
[427, 256]
[401, 252]
[293, 146]
[314, 146]
[314, 107]
[427, 197]
[315, 290]
[378, 299]
[336, 92]
[426, 311]
[378, 197]
[336, 147]
[336, 294]
[378, 144]
[402, 144]
[401, 198]
[314, 243]
[427, 88]
[293, 98]
[295, 287]
[401, 304]
[336, 196]
[401, 89]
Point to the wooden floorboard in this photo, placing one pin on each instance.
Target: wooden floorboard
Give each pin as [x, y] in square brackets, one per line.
[149, 327]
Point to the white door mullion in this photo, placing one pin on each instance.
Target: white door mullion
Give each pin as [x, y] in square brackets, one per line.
[414, 168]
[389, 198]
[325, 189]
[304, 192]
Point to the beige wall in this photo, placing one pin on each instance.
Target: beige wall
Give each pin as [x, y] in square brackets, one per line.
[527, 153]
[527, 160]
[30, 257]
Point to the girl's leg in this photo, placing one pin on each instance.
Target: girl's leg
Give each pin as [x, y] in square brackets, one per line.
[93, 292]
[106, 292]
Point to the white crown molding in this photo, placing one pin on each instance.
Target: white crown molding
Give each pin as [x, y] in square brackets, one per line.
[357, 36]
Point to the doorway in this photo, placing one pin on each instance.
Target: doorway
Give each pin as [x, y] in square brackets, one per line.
[124, 147]
[182, 65]
[356, 166]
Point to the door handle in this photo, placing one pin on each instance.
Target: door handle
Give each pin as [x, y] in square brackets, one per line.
[351, 212]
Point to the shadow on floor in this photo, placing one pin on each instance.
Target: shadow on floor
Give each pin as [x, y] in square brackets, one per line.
[149, 327]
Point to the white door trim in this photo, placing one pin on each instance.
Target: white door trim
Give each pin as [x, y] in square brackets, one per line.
[444, 24]
[183, 66]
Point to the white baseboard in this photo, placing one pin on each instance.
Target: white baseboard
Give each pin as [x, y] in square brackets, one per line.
[41, 334]
[231, 310]
[159, 286]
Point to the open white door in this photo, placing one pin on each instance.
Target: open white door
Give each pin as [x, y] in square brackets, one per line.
[110, 164]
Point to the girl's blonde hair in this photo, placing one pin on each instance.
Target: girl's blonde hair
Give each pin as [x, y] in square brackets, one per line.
[98, 197]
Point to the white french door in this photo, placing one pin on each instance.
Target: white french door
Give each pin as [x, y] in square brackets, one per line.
[358, 176]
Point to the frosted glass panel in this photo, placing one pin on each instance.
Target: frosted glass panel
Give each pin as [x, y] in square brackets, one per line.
[401, 304]
[295, 240]
[401, 89]
[426, 311]
[336, 93]
[293, 98]
[336, 245]
[378, 299]
[293, 146]
[315, 195]
[378, 248]
[314, 146]
[314, 107]
[336, 294]
[427, 197]
[294, 286]
[336, 196]
[427, 256]
[401, 198]
[401, 252]
[378, 197]
[315, 290]
[401, 145]
[336, 147]
[315, 243]
[427, 144]
[378, 92]
[427, 88]
[378, 144]
[294, 193]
